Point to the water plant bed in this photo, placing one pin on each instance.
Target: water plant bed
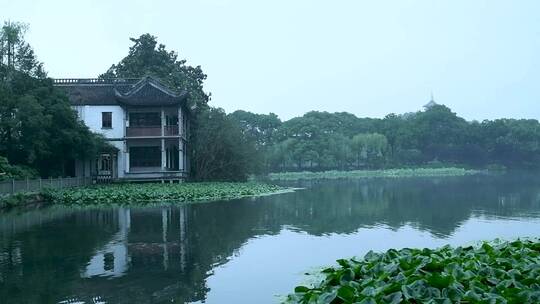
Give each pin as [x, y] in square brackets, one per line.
[19, 199]
[496, 272]
[389, 173]
[150, 193]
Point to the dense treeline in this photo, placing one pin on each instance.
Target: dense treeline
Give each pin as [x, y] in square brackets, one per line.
[434, 136]
[39, 132]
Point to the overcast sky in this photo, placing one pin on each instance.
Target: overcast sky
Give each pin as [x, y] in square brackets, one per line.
[370, 58]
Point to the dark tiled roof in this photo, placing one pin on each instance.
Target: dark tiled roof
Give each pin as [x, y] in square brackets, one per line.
[140, 92]
[149, 92]
[91, 94]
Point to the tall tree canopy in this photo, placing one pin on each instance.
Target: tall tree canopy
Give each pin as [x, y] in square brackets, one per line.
[223, 157]
[225, 153]
[15, 53]
[147, 57]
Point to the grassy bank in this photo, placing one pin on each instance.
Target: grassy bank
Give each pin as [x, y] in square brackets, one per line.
[388, 173]
[149, 193]
[499, 272]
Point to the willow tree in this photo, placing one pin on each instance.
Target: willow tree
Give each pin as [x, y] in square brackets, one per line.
[369, 147]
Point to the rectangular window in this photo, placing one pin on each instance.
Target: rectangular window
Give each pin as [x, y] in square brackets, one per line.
[106, 120]
[145, 156]
[150, 119]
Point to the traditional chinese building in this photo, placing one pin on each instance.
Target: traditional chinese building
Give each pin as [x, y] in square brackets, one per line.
[143, 119]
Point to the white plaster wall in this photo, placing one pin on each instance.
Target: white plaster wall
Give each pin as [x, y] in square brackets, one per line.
[117, 246]
[91, 116]
[121, 161]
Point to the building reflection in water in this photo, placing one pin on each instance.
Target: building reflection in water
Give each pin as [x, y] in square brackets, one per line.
[113, 259]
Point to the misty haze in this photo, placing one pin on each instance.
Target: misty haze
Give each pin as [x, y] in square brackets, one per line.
[298, 152]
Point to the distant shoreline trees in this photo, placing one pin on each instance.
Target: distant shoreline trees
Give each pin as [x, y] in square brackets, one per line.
[433, 137]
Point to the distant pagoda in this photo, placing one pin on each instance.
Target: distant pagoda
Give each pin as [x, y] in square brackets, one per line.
[431, 103]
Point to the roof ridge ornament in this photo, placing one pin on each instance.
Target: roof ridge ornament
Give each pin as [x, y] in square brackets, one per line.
[149, 92]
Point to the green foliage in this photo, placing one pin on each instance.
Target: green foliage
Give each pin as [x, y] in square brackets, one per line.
[261, 128]
[436, 136]
[369, 148]
[18, 199]
[38, 127]
[15, 53]
[260, 131]
[389, 173]
[500, 272]
[8, 171]
[219, 149]
[147, 57]
[148, 193]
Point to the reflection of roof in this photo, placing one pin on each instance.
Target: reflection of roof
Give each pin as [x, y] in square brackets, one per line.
[147, 91]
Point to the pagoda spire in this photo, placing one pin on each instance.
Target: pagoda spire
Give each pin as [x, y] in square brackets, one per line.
[431, 102]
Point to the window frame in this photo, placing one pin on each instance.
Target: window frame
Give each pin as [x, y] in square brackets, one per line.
[104, 120]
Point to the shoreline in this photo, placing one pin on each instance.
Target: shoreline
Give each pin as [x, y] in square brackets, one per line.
[142, 194]
[382, 173]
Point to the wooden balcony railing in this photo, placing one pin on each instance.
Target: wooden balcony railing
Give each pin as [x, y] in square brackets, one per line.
[171, 130]
[143, 131]
[151, 131]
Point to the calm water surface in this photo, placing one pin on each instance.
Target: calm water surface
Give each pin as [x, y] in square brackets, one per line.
[249, 250]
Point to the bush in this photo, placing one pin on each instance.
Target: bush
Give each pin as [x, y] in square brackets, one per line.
[17, 199]
[8, 171]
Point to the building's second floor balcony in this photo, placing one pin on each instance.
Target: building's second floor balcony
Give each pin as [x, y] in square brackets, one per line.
[152, 131]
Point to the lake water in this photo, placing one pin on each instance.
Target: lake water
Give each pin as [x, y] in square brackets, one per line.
[249, 250]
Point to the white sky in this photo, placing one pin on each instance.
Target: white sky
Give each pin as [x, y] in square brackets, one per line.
[370, 58]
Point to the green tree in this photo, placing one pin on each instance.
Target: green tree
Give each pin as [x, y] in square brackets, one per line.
[16, 54]
[261, 129]
[212, 157]
[369, 148]
[438, 132]
[38, 127]
[148, 58]
[221, 151]
[8, 171]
